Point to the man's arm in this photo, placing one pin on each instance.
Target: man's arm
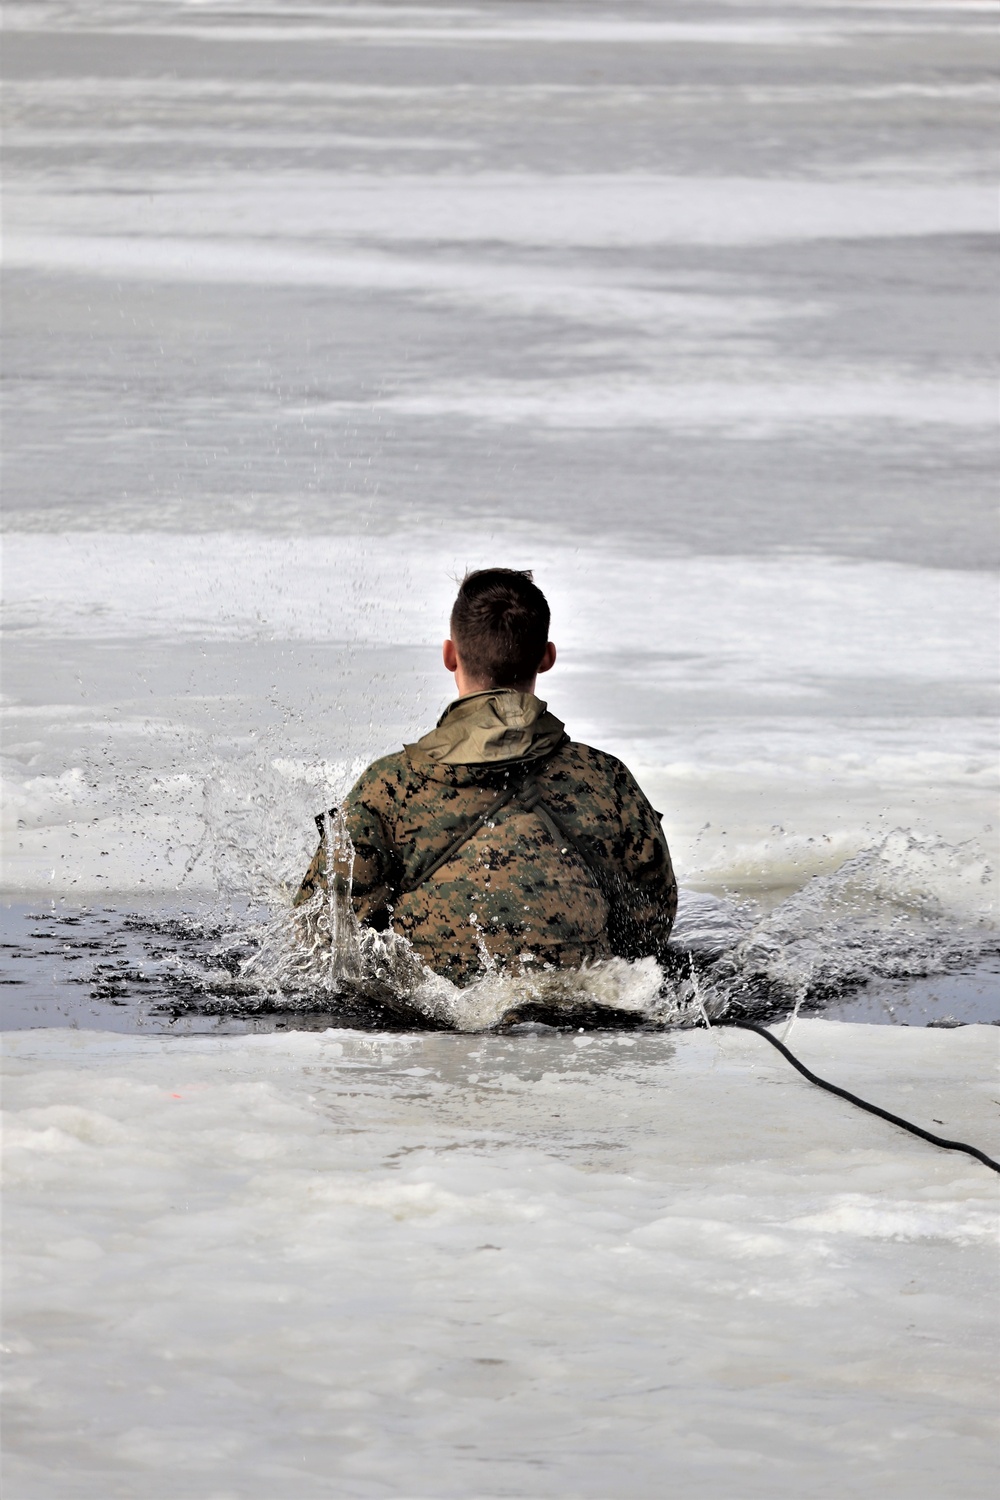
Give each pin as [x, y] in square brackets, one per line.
[315, 877]
[370, 862]
[643, 894]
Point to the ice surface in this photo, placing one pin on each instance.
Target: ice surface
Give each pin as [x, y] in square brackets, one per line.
[341, 1265]
[306, 310]
[520, 210]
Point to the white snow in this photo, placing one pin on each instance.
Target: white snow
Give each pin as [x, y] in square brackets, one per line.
[290, 315]
[443, 1266]
[851, 618]
[108, 232]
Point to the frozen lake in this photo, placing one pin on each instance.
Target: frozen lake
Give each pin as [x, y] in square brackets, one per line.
[497, 1266]
[687, 307]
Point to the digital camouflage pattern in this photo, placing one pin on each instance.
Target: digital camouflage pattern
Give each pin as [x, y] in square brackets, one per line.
[591, 880]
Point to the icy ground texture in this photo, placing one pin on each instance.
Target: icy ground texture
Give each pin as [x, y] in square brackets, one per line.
[336, 1265]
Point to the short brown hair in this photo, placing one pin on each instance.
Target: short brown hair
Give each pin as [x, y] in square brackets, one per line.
[500, 626]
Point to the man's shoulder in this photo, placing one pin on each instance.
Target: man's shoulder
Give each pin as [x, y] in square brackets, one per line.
[588, 760]
[387, 774]
[387, 765]
[586, 773]
[395, 775]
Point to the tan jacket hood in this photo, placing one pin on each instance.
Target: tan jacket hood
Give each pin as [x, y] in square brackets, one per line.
[484, 728]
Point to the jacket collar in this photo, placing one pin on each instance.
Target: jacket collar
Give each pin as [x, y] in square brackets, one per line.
[489, 728]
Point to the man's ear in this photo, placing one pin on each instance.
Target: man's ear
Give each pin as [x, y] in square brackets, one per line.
[449, 656]
[548, 660]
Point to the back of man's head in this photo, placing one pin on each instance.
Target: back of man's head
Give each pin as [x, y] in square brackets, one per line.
[500, 626]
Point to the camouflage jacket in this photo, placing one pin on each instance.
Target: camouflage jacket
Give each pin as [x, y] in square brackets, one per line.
[496, 834]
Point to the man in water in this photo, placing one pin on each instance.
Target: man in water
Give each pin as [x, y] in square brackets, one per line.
[496, 839]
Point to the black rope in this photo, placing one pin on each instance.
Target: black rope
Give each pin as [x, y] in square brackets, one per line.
[873, 1109]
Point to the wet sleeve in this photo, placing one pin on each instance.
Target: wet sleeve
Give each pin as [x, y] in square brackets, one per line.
[372, 863]
[315, 877]
[643, 897]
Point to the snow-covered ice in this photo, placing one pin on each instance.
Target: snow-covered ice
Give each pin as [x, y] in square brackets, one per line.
[307, 309]
[542, 1265]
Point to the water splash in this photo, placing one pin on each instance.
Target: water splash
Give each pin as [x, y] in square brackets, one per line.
[321, 948]
[905, 909]
[906, 906]
[253, 810]
[902, 908]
